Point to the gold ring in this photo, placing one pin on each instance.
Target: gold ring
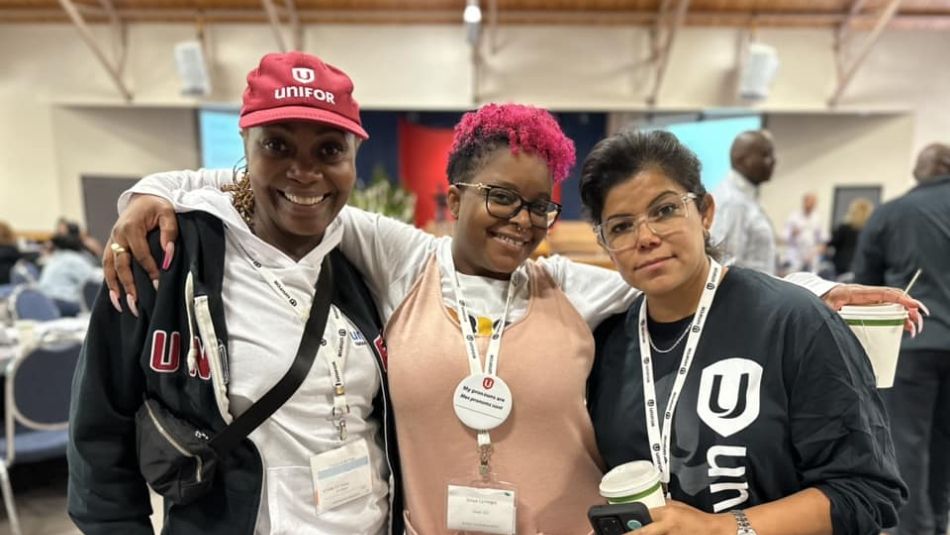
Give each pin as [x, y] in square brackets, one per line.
[117, 249]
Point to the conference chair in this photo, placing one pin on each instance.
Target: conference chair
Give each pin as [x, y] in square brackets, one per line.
[28, 303]
[38, 385]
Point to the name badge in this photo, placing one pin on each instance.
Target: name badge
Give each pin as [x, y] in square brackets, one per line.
[482, 510]
[482, 402]
[341, 475]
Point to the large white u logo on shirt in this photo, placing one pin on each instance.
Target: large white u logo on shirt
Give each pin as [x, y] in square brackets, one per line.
[729, 395]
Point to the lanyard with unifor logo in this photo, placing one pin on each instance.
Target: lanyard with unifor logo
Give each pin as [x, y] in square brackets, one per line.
[336, 360]
[482, 401]
[660, 440]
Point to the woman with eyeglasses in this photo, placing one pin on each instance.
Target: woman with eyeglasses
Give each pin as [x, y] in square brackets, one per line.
[515, 367]
[754, 400]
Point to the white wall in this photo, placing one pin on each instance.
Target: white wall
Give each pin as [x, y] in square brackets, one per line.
[817, 152]
[121, 142]
[63, 117]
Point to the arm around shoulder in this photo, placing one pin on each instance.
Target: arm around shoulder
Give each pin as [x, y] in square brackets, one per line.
[389, 253]
[169, 184]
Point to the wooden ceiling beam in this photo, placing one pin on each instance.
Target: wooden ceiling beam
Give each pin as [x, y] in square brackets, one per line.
[86, 34]
[296, 30]
[662, 12]
[886, 16]
[120, 43]
[675, 24]
[845, 27]
[275, 25]
[703, 18]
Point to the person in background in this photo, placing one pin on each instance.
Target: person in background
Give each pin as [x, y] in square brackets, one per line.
[805, 236]
[222, 326]
[844, 239]
[742, 229]
[91, 246]
[755, 401]
[9, 252]
[65, 270]
[909, 233]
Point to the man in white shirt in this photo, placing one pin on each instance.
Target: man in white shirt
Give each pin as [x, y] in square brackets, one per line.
[805, 236]
[741, 228]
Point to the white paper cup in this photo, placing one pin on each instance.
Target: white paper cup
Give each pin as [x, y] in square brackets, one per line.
[26, 332]
[879, 329]
[637, 481]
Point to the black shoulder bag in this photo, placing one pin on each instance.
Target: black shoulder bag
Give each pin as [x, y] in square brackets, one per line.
[178, 460]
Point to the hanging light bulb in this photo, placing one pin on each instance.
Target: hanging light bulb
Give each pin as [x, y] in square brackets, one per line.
[472, 13]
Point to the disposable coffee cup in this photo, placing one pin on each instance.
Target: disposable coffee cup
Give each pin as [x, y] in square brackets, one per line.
[879, 328]
[637, 481]
[26, 332]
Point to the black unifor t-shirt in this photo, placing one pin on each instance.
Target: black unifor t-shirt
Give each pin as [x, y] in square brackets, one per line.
[780, 397]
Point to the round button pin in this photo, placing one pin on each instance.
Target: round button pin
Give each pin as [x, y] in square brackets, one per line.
[482, 402]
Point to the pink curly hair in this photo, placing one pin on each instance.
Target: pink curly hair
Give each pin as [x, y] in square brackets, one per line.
[524, 128]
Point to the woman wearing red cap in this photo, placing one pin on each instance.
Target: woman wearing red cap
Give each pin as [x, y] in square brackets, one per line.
[256, 286]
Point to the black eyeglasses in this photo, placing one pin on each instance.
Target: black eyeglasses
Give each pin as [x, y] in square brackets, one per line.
[504, 203]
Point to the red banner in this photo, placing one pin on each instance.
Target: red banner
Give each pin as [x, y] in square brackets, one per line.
[423, 156]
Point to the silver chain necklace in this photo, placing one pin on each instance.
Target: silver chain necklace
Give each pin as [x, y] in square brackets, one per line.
[672, 347]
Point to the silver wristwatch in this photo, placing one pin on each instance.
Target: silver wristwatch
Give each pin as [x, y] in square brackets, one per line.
[742, 521]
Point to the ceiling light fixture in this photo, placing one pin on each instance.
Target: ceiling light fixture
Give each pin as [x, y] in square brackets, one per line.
[472, 13]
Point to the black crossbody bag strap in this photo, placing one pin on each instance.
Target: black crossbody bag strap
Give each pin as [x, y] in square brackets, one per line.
[291, 381]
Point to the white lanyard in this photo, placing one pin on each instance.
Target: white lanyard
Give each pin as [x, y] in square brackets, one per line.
[336, 360]
[660, 441]
[277, 286]
[471, 347]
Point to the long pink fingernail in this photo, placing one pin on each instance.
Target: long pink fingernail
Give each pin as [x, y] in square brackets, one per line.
[131, 301]
[115, 301]
[169, 253]
[924, 308]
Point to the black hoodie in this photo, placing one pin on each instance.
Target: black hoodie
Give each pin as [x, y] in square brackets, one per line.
[107, 494]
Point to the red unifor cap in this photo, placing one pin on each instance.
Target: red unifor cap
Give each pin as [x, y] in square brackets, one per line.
[300, 87]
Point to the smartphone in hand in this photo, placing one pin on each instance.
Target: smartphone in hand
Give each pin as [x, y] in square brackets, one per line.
[618, 518]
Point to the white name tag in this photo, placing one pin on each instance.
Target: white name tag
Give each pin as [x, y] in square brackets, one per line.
[481, 510]
[341, 475]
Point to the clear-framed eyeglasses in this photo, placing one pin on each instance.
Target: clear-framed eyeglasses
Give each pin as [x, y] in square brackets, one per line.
[505, 203]
[663, 218]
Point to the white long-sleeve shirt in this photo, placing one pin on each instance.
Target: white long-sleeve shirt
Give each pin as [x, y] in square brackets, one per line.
[741, 227]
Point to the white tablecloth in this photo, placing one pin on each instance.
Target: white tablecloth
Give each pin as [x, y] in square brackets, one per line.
[64, 329]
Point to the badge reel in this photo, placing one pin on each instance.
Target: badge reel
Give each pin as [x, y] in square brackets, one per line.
[480, 503]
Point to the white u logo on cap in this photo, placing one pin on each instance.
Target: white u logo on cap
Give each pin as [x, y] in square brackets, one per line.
[303, 75]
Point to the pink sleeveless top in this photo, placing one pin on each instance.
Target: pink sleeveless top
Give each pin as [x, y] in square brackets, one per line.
[546, 448]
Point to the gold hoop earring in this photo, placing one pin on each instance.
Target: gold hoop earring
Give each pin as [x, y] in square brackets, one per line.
[242, 197]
